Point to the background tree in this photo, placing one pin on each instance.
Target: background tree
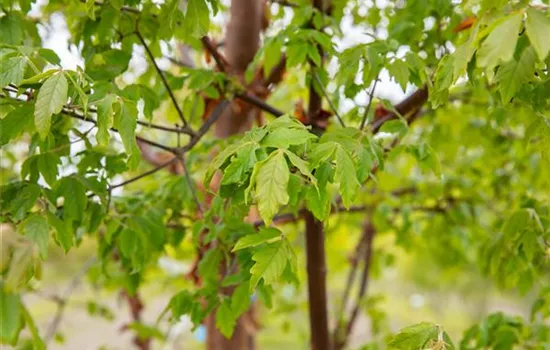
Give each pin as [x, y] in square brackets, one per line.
[117, 153]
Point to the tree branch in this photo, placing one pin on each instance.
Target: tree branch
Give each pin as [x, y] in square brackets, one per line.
[213, 50]
[315, 240]
[147, 173]
[63, 300]
[218, 111]
[163, 78]
[74, 114]
[327, 97]
[407, 106]
[368, 232]
[257, 102]
[367, 110]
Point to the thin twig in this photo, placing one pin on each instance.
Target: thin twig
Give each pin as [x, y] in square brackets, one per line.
[73, 114]
[327, 97]
[349, 283]
[213, 50]
[218, 111]
[255, 101]
[369, 232]
[147, 173]
[178, 130]
[191, 184]
[367, 110]
[163, 78]
[62, 301]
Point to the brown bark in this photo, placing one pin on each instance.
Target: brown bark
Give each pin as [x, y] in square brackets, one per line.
[315, 243]
[316, 278]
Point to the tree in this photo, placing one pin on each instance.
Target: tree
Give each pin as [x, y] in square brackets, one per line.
[206, 152]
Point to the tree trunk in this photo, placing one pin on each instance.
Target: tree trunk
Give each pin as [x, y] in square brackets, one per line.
[315, 240]
[240, 46]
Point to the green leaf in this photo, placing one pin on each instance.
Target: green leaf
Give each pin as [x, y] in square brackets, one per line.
[24, 201]
[107, 65]
[12, 32]
[539, 133]
[420, 336]
[270, 261]
[318, 200]
[197, 18]
[222, 157]
[185, 303]
[38, 343]
[321, 153]
[240, 165]
[51, 98]
[39, 77]
[15, 123]
[104, 119]
[11, 317]
[225, 318]
[75, 200]
[399, 70]
[512, 75]
[125, 122]
[271, 189]
[499, 46]
[266, 235]
[301, 165]
[133, 246]
[284, 138]
[35, 227]
[240, 299]
[63, 231]
[346, 176]
[12, 70]
[47, 165]
[537, 26]
[209, 266]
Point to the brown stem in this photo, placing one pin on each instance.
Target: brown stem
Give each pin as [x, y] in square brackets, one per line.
[315, 241]
[316, 278]
[162, 77]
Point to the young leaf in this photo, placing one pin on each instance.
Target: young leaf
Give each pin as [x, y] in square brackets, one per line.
[537, 26]
[197, 18]
[50, 100]
[420, 336]
[271, 189]
[270, 261]
[499, 46]
[301, 165]
[266, 234]
[346, 176]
